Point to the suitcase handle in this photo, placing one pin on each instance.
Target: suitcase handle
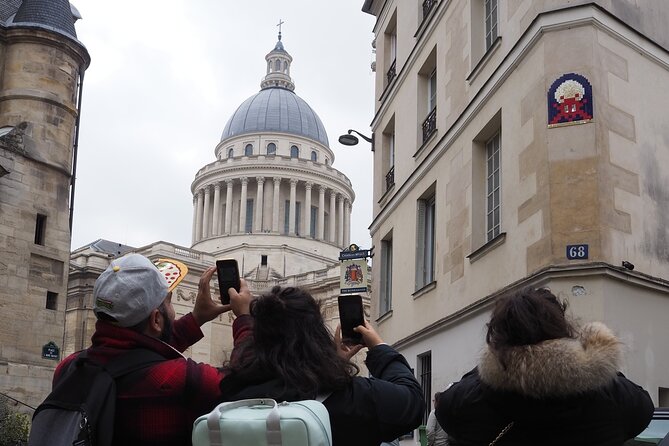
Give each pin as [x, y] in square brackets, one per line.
[273, 421]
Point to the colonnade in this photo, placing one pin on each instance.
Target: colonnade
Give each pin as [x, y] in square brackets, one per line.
[209, 220]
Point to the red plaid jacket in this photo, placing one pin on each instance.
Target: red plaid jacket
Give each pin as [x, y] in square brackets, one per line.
[160, 405]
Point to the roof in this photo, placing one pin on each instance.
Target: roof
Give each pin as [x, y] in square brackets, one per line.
[276, 110]
[109, 247]
[52, 14]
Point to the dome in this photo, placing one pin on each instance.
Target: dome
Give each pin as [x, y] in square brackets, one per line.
[276, 110]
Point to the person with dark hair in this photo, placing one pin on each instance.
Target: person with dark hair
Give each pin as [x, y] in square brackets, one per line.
[295, 357]
[542, 381]
[436, 436]
[132, 300]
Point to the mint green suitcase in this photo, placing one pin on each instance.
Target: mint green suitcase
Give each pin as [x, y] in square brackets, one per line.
[263, 422]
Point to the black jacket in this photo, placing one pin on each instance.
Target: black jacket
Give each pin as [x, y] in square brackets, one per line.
[369, 410]
[559, 392]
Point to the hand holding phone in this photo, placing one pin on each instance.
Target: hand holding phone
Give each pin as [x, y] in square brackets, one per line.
[351, 315]
[228, 277]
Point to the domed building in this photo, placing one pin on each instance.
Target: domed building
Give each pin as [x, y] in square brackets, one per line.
[272, 199]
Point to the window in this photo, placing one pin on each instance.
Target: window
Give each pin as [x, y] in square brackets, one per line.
[314, 156]
[390, 49]
[231, 152]
[51, 300]
[248, 224]
[313, 221]
[327, 162]
[248, 150]
[271, 149]
[294, 152]
[490, 23]
[263, 260]
[425, 380]
[40, 229]
[386, 301]
[493, 189]
[427, 96]
[388, 157]
[425, 240]
[286, 219]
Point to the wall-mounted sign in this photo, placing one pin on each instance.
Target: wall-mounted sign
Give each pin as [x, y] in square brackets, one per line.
[353, 252]
[577, 252]
[51, 351]
[570, 101]
[353, 276]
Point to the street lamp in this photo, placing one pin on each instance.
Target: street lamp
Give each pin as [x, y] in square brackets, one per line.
[351, 140]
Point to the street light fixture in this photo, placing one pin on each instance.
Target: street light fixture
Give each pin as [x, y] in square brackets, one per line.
[351, 140]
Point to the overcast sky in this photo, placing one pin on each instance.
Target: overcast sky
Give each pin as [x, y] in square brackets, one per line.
[166, 75]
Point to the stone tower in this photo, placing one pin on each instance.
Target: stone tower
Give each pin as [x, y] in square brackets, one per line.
[42, 67]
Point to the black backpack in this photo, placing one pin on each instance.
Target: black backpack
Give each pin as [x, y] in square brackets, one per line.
[80, 409]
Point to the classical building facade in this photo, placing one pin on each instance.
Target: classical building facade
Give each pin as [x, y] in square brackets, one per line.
[271, 200]
[42, 66]
[520, 143]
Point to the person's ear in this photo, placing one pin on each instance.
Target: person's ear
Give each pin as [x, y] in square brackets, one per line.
[155, 325]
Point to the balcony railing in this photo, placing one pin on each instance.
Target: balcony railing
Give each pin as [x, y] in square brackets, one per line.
[427, 7]
[390, 178]
[390, 75]
[430, 124]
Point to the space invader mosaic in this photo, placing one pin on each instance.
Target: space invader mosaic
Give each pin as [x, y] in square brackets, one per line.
[570, 101]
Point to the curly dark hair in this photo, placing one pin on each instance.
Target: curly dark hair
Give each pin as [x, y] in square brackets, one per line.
[291, 342]
[526, 317]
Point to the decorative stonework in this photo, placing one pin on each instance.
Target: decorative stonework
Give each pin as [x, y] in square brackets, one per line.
[570, 101]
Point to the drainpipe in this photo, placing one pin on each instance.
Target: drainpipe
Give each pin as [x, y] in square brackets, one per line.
[75, 147]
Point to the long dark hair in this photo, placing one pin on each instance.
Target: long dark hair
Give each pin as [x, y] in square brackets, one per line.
[292, 343]
[526, 317]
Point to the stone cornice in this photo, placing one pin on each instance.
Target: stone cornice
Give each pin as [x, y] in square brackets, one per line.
[26, 33]
[537, 279]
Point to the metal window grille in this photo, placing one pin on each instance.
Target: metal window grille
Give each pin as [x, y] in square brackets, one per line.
[425, 379]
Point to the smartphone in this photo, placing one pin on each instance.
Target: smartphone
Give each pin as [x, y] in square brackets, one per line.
[351, 315]
[228, 277]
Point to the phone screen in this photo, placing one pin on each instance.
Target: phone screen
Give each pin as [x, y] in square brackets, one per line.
[228, 277]
[351, 315]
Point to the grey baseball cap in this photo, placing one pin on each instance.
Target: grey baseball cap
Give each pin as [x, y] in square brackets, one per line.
[129, 289]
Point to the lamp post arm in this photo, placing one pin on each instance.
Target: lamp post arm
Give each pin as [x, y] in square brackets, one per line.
[366, 138]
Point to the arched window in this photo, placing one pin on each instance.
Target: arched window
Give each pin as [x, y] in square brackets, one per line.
[294, 152]
[248, 150]
[277, 65]
[271, 149]
[327, 162]
[231, 152]
[314, 156]
[285, 66]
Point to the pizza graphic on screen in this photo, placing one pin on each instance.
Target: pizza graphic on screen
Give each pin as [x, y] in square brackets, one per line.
[173, 270]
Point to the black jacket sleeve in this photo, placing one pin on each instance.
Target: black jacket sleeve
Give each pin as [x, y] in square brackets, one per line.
[635, 404]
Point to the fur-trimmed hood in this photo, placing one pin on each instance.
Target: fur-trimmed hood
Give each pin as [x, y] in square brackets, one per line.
[556, 368]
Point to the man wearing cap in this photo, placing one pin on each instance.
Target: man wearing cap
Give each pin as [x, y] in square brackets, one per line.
[133, 304]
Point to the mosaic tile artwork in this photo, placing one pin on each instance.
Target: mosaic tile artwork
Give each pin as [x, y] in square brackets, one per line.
[570, 101]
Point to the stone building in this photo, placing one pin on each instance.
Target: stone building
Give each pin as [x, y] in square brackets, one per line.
[271, 200]
[42, 67]
[520, 143]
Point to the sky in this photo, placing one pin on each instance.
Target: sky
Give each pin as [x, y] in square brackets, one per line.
[165, 77]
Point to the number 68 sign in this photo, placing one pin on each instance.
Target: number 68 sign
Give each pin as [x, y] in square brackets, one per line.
[577, 252]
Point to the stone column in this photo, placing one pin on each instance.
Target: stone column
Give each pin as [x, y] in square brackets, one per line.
[340, 217]
[291, 216]
[333, 221]
[194, 228]
[347, 223]
[275, 205]
[228, 206]
[206, 223]
[217, 209]
[307, 210]
[242, 205]
[200, 210]
[259, 204]
[320, 235]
